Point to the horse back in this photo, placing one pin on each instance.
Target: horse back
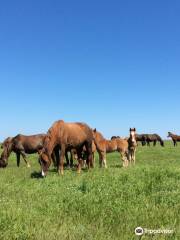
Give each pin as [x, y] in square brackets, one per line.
[29, 144]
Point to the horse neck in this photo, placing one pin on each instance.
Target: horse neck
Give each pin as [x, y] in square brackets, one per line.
[99, 140]
[172, 135]
[6, 153]
[49, 146]
[132, 143]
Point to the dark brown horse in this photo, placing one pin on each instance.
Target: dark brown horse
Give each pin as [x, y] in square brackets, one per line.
[66, 136]
[175, 138]
[153, 138]
[148, 138]
[22, 145]
[115, 137]
[141, 138]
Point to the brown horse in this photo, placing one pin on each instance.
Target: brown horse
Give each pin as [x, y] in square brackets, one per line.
[108, 146]
[66, 136]
[175, 138]
[132, 145]
[22, 145]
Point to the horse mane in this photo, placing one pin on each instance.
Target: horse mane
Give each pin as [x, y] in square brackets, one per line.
[8, 139]
[54, 126]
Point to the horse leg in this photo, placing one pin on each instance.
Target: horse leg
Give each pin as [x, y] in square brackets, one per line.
[79, 153]
[100, 158]
[18, 158]
[67, 159]
[56, 157]
[23, 154]
[53, 158]
[134, 156]
[61, 163]
[124, 158]
[94, 159]
[104, 162]
[71, 159]
[89, 155]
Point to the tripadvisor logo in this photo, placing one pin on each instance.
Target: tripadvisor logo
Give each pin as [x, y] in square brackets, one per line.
[139, 231]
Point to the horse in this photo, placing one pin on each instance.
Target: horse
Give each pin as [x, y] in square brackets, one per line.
[175, 138]
[3, 164]
[115, 137]
[141, 138]
[22, 145]
[66, 136]
[153, 138]
[72, 155]
[108, 146]
[132, 145]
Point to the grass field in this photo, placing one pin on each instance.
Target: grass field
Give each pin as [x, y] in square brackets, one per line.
[99, 204]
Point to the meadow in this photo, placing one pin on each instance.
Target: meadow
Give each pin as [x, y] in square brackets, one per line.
[100, 204]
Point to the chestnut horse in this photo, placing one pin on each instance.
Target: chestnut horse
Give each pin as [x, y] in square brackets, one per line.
[132, 145]
[175, 138]
[108, 146]
[66, 136]
[22, 145]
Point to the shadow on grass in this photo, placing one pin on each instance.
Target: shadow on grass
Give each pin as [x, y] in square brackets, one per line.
[115, 166]
[36, 175]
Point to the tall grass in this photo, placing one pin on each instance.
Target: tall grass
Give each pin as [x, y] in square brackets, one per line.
[99, 204]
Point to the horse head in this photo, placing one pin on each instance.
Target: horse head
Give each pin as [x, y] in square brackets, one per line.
[44, 161]
[7, 147]
[132, 134]
[169, 134]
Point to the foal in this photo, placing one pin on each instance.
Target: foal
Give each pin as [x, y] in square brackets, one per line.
[108, 146]
[132, 146]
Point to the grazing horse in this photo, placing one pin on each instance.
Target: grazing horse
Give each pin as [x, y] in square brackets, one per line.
[66, 136]
[22, 145]
[115, 137]
[153, 138]
[132, 145]
[175, 138]
[3, 164]
[141, 138]
[108, 146]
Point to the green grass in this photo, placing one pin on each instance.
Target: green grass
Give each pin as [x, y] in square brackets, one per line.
[99, 204]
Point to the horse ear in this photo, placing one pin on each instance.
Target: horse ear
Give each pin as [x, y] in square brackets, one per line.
[130, 129]
[95, 130]
[135, 129]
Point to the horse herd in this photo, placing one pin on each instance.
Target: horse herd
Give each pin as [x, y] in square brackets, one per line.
[75, 141]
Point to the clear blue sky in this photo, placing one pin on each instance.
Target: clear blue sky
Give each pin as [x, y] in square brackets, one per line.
[112, 64]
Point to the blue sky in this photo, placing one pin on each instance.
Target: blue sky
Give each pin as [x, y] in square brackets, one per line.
[112, 64]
